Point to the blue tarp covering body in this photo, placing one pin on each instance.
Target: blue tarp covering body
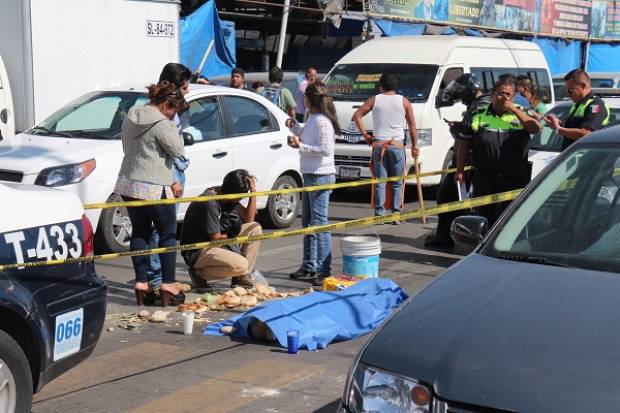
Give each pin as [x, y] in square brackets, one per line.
[322, 317]
[562, 55]
[197, 31]
[604, 58]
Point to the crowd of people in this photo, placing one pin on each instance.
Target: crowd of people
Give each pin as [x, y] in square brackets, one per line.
[493, 137]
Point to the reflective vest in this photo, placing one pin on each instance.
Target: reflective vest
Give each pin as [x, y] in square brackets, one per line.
[499, 143]
[579, 110]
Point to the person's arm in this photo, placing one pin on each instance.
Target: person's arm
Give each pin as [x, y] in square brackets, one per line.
[359, 114]
[593, 120]
[250, 210]
[212, 225]
[167, 137]
[289, 102]
[326, 139]
[411, 125]
[568, 133]
[529, 123]
[463, 147]
[294, 126]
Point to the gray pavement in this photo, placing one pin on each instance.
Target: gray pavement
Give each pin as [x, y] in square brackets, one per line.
[154, 368]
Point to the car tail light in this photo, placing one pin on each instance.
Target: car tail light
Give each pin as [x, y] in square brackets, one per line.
[89, 242]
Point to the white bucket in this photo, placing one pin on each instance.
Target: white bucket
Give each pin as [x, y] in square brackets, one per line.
[360, 256]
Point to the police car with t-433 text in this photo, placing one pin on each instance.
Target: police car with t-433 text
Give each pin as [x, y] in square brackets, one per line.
[50, 316]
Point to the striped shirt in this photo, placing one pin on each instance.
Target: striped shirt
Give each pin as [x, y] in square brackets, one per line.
[316, 150]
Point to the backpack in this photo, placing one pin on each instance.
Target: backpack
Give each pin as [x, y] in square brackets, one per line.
[273, 94]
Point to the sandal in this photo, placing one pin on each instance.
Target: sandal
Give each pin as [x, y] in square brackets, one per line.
[171, 295]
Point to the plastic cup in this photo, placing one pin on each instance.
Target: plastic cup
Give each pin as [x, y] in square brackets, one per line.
[292, 341]
[188, 322]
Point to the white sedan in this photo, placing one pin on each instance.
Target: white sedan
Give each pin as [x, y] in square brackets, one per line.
[78, 148]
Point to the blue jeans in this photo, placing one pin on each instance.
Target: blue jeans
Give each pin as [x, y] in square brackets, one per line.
[314, 211]
[153, 264]
[393, 164]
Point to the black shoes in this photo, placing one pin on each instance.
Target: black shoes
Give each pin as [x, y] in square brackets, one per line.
[303, 275]
[435, 241]
[200, 285]
[318, 281]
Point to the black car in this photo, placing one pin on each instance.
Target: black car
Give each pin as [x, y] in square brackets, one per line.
[528, 322]
[50, 316]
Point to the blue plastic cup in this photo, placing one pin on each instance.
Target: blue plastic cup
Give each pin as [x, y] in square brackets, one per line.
[292, 341]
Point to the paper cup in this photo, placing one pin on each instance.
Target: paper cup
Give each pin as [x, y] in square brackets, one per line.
[188, 322]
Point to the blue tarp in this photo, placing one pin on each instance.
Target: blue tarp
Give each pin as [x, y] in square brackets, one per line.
[604, 58]
[562, 55]
[322, 317]
[392, 28]
[197, 31]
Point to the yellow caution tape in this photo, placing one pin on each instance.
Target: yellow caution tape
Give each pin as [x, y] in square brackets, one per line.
[361, 222]
[227, 197]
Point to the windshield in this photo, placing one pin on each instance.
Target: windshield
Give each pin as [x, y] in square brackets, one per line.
[549, 140]
[97, 115]
[572, 216]
[358, 82]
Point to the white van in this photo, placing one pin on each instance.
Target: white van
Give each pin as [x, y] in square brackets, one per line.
[423, 65]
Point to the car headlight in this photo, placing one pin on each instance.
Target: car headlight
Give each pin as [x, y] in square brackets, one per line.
[425, 137]
[65, 174]
[374, 390]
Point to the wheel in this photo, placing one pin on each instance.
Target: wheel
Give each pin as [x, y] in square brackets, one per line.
[15, 377]
[282, 209]
[114, 229]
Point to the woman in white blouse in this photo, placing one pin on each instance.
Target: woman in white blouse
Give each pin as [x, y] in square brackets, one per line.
[315, 140]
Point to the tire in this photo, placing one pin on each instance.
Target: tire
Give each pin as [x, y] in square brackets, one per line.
[114, 229]
[282, 210]
[15, 377]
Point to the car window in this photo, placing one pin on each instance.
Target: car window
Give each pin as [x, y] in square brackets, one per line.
[602, 83]
[450, 75]
[572, 216]
[97, 115]
[203, 120]
[551, 141]
[248, 116]
[490, 75]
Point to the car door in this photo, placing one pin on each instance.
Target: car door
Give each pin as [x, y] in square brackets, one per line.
[256, 138]
[210, 155]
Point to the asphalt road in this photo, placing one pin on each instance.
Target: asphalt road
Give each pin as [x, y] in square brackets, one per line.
[155, 368]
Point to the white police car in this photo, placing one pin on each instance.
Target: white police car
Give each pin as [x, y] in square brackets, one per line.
[50, 316]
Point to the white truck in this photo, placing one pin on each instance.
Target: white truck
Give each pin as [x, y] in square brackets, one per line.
[53, 51]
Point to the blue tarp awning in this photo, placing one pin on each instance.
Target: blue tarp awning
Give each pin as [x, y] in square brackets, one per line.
[604, 58]
[562, 55]
[197, 31]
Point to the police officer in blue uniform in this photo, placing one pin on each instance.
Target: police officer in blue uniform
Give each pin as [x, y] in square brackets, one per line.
[588, 113]
[499, 140]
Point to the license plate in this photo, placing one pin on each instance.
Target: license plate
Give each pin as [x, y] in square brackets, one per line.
[155, 28]
[349, 173]
[352, 138]
[68, 333]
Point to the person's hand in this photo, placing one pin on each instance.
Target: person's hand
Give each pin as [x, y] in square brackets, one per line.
[553, 121]
[290, 122]
[415, 151]
[294, 141]
[459, 177]
[510, 106]
[177, 189]
[367, 138]
[251, 183]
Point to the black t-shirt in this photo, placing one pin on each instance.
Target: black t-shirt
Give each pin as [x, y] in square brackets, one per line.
[201, 219]
[594, 116]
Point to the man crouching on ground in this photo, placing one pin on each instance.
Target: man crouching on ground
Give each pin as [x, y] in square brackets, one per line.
[225, 219]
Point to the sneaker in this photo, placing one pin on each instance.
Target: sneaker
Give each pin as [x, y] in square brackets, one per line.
[302, 275]
[243, 281]
[435, 241]
[318, 281]
[200, 285]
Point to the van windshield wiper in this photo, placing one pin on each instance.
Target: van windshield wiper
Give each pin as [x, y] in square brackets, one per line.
[87, 133]
[38, 129]
[532, 259]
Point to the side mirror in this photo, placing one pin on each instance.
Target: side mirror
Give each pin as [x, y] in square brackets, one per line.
[188, 139]
[469, 229]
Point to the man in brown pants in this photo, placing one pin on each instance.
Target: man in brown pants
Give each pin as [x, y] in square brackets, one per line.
[216, 220]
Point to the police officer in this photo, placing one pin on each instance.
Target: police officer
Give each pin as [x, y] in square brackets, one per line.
[500, 140]
[587, 114]
[465, 88]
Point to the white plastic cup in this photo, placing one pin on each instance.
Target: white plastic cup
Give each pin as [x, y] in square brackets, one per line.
[188, 322]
